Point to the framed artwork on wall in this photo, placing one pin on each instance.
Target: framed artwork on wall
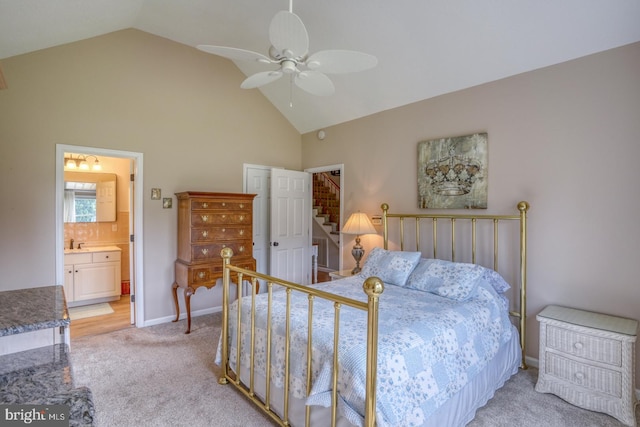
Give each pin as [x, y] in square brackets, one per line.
[452, 172]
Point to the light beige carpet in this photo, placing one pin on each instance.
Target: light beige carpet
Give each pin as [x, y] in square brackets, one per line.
[84, 311]
[159, 376]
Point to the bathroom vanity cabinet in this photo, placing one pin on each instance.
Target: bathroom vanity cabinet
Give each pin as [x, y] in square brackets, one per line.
[92, 275]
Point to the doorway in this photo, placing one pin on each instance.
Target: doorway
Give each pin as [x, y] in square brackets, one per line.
[328, 238]
[257, 179]
[125, 232]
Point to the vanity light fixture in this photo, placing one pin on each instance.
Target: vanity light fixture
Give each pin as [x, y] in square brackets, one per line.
[81, 162]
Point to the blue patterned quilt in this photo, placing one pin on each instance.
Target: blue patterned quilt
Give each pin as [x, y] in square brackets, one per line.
[429, 347]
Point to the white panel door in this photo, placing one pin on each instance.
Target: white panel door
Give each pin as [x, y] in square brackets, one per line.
[257, 181]
[291, 225]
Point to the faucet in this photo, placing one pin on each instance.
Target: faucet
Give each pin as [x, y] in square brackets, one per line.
[71, 244]
[80, 244]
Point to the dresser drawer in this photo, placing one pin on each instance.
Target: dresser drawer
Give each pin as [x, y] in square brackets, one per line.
[587, 376]
[215, 233]
[586, 346]
[208, 274]
[199, 219]
[200, 204]
[211, 252]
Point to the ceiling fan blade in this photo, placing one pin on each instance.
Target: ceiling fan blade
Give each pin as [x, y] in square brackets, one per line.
[234, 53]
[288, 35]
[261, 79]
[340, 61]
[315, 83]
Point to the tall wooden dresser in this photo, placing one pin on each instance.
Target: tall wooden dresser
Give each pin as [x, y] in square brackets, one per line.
[207, 223]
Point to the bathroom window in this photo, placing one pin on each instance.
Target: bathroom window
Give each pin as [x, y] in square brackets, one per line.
[80, 205]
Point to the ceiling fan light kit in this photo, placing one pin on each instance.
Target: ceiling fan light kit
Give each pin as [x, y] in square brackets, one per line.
[289, 50]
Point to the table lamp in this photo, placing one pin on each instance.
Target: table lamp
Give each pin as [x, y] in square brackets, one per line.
[358, 224]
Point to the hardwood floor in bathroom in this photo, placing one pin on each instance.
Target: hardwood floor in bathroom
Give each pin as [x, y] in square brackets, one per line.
[119, 319]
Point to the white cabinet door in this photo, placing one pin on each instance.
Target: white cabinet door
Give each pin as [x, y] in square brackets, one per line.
[97, 280]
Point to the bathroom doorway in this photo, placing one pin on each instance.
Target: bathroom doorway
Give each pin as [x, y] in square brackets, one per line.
[123, 232]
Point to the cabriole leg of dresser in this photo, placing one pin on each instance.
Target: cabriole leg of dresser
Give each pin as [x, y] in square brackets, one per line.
[175, 300]
[187, 302]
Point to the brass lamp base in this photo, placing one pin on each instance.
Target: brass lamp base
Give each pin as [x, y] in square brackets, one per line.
[357, 252]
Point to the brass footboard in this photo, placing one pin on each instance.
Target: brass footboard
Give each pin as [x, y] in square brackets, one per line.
[373, 287]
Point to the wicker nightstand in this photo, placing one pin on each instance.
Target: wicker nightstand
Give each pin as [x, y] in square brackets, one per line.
[588, 359]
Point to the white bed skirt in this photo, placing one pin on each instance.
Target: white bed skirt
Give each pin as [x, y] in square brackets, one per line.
[457, 411]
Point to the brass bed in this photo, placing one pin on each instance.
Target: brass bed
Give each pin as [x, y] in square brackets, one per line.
[469, 238]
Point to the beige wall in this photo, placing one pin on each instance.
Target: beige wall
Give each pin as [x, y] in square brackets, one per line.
[564, 138]
[129, 90]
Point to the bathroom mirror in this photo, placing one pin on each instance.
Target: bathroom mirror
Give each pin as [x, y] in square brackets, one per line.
[89, 197]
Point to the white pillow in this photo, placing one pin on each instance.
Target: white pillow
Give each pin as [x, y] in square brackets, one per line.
[392, 267]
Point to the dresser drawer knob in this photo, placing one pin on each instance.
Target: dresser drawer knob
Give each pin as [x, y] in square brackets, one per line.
[205, 233]
[224, 216]
[241, 232]
[205, 205]
[224, 204]
[224, 230]
[241, 249]
[205, 218]
[204, 251]
[241, 205]
[578, 346]
[201, 275]
[241, 217]
[579, 376]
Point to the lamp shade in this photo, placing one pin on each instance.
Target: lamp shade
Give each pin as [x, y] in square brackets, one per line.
[359, 224]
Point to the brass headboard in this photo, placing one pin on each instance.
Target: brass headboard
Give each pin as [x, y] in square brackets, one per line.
[471, 239]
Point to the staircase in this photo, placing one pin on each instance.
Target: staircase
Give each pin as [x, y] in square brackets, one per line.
[326, 205]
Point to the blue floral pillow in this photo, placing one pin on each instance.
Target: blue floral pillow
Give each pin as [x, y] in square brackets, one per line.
[493, 278]
[393, 267]
[448, 279]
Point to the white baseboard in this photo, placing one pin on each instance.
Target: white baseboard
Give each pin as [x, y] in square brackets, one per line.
[167, 319]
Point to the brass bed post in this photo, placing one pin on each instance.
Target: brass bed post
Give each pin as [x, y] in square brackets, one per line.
[385, 224]
[453, 239]
[226, 254]
[373, 287]
[523, 207]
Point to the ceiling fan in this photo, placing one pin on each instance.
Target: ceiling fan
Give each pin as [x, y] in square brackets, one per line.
[289, 50]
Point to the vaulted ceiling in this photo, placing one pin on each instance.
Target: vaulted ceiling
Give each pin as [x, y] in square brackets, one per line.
[425, 48]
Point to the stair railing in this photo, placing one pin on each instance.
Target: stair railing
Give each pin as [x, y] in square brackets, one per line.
[333, 188]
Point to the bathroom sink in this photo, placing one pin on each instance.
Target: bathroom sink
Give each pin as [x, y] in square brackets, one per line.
[91, 249]
[78, 251]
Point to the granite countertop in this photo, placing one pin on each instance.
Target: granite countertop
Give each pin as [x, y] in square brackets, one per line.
[42, 376]
[26, 310]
